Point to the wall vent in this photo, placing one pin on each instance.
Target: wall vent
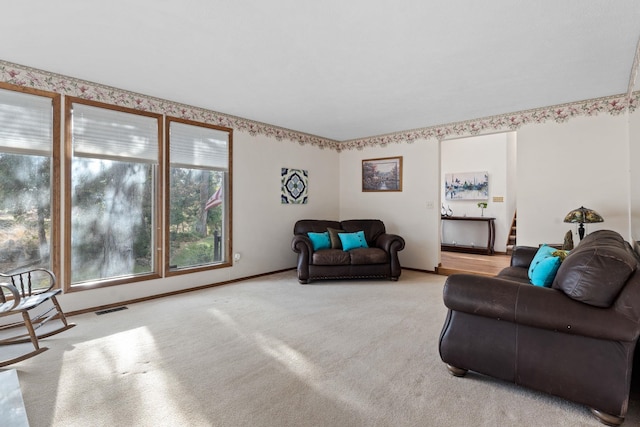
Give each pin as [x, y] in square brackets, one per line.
[111, 310]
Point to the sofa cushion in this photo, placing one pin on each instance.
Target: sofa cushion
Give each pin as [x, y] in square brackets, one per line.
[518, 274]
[363, 256]
[331, 257]
[319, 240]
[333, 236]
[544, 266]
[353, 240]
[596, 271]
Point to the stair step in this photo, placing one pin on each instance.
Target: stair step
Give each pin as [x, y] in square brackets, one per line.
[511, 239]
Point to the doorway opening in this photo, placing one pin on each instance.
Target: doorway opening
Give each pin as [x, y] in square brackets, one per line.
[492, 157]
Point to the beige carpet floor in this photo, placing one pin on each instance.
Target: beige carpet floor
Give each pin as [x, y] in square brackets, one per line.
[271, 352]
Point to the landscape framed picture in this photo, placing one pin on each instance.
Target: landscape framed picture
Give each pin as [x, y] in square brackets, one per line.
[383, 174]
[466, 186]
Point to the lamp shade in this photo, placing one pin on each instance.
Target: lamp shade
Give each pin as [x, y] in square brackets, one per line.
[583, 215]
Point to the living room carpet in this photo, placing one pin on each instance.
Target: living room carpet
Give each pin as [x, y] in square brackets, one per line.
[272, 352]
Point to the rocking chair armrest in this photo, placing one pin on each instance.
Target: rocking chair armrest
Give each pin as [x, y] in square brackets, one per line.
[7, 306]
[52, 280]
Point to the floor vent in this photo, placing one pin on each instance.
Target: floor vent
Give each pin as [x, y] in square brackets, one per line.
[111, 310]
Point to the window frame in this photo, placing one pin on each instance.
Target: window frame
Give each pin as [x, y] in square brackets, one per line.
[55, 189]
[156, 273]
[228, 243]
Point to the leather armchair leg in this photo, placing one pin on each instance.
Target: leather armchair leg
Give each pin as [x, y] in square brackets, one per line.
[456, 372]
[607, 419]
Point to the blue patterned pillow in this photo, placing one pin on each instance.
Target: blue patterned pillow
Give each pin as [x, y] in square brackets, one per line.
[319, 240]
[353, 240]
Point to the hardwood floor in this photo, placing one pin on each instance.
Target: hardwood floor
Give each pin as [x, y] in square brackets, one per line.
[488, 265]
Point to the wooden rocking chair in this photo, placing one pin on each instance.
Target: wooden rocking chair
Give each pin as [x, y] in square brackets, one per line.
[22, 294]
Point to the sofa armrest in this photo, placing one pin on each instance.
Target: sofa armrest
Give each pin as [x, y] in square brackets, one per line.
[390, 242]
[302, 244]
[522, 256]
[534, 306]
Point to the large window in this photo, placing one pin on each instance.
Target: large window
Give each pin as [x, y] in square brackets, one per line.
[112, 194]
[129, 214]
[198, 185]
[29, 144]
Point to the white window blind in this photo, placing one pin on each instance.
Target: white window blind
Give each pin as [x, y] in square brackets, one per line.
[110, 134]
[26, 122]
[198, 146]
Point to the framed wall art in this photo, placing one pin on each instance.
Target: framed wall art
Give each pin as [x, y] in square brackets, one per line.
[294, 186]
[466, 186]
[383, 174]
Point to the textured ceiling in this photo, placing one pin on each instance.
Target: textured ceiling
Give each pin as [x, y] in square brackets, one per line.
[340, 69]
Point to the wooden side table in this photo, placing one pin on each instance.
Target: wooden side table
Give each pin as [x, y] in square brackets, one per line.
[491, 236]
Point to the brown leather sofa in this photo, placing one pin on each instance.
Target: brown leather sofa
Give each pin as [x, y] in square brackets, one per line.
[575, 339]
[378, 260]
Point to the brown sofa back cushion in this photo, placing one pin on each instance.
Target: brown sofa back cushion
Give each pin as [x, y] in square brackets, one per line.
[314, 225]
[596, 271]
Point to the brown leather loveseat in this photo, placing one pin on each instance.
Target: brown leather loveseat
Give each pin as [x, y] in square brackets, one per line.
[377, 258]
[574, 339]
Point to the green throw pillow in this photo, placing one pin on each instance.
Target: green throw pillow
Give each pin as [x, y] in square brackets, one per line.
[333, 236]
[353, 240]
[319, 240]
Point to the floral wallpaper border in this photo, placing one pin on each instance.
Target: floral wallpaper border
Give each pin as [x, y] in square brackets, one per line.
[613, 105]
[30, 77]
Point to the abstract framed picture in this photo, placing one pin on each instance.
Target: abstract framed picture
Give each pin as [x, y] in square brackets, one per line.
[383, 174]
[294, 186]
[466, 186]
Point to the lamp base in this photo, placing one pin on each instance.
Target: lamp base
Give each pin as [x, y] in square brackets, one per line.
[581, 231]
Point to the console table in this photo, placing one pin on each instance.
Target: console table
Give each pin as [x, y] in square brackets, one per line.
[491, 236]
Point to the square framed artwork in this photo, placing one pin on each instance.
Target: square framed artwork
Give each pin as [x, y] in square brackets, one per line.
[294, 186]
[383, 174]
[466, 186]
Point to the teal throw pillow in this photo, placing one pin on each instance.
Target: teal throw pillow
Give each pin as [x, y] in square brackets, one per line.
[319, 240]
[544, 266]
[353, 240]
[545, 271]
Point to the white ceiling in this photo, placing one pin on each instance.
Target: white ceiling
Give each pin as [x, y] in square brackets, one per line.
[341, 69]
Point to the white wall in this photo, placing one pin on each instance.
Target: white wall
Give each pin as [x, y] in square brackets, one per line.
[512, 177]
[490, 153]
[562, 166]
[262, 226]
[413, 213]
[559, 167]
[634, 163]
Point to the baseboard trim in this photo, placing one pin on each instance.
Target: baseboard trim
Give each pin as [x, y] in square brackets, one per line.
[168, 294]
[449, 271]
[419, 270]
